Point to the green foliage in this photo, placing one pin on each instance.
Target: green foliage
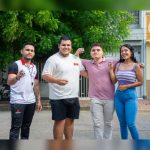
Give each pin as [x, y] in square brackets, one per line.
[44, 28]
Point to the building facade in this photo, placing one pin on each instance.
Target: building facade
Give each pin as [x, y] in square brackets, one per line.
[137, 39]
[147, 43]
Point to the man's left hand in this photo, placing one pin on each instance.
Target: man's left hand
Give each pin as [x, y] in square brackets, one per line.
[39, 106]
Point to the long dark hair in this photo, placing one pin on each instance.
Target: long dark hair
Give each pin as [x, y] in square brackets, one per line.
[132, 53]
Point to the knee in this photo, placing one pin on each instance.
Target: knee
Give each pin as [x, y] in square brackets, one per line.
[59, 123]
[123, 124]
[131, 124]
[98, 123]
[109, 124]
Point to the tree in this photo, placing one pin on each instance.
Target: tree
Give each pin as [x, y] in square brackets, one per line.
[45, 27]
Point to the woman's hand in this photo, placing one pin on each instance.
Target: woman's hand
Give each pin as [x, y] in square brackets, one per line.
[111, 66]
[123, 87]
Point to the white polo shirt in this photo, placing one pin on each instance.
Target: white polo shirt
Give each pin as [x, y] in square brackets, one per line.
[22, 91]
[67, 68]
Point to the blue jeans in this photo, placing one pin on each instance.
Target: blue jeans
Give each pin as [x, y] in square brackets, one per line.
[126, 109]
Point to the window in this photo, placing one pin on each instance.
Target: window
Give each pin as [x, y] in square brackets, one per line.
[136, 15]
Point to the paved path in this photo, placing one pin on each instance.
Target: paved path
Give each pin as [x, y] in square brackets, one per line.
[42, 126]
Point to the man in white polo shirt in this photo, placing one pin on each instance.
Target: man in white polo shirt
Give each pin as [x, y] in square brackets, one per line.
[24, 90]
[62, 71]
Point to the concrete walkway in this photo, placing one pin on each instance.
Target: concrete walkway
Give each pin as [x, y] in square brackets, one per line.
[42, 124]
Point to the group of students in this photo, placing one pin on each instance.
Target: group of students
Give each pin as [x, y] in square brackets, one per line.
[62, 71]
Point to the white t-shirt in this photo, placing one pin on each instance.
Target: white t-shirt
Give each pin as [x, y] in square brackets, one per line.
[67, 68]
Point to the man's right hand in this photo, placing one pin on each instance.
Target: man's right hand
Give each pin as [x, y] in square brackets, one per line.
[61, 81]
[20, 74]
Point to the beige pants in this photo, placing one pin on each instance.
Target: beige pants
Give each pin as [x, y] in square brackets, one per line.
[102, 115]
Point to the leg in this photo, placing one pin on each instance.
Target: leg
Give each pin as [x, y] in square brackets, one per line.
[131, 112]
[96, 109]
[68, 145]
[68, 128]
[58, 129]
[58, 115]
[17, 112]
[120, 110]
[27, 119]
[108, 116]
[73, 112]
[55, 144]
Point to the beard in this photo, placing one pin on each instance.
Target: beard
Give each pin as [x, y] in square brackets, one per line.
[28, 58]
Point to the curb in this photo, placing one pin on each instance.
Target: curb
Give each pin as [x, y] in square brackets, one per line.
[143, 105]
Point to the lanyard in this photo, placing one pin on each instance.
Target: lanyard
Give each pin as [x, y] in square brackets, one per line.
[30, 69]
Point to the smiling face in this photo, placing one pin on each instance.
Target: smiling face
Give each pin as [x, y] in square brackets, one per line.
[125, 53]
[65, 47]
[96, 52]
[28, 52]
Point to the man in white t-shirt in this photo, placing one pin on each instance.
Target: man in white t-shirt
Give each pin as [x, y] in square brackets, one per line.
[62, 71]
[24, 90]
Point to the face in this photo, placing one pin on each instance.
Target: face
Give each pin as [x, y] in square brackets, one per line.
[96, 52]
[65, 47]
[125, 53]
[28, 52]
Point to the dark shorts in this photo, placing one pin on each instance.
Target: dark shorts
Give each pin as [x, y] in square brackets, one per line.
[62, 109]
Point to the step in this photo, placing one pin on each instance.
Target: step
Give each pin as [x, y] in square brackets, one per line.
[143, 105]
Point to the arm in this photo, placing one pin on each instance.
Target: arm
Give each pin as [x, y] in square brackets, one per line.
[84, 73]
[139, 81]
[112, 73]
[52, 79]
[12, 79]
[48, 75]
[38, 95]
[79, 51]
[142, 65]
[13, 74]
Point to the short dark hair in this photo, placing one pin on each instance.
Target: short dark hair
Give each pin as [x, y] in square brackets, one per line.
[64, 37]
[133, 58]
[28, 43]
[96, 44]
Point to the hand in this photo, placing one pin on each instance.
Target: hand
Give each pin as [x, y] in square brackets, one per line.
[142, 65]
[79, 51]
[123, 87]
[62, 82]
[39, 106]
[111, 66]
[20, 74]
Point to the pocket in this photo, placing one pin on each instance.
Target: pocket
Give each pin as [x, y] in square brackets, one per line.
[132, 94]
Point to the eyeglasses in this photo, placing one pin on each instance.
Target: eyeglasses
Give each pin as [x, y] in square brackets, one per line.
[93, 50]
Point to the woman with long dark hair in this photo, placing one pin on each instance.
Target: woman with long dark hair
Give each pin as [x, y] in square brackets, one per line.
[128, 74]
